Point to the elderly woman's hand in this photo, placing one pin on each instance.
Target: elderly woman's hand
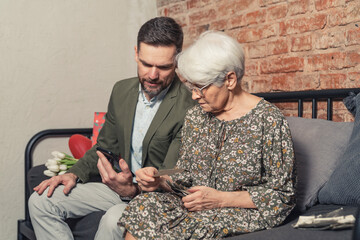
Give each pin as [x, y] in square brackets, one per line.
[146, 180]
[202, 198]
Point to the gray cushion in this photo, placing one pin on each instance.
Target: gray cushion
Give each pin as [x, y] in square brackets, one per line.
[318, 145]
[343, 186]
[286, 231]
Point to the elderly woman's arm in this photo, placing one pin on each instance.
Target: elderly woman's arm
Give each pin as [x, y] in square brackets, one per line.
[203, 198]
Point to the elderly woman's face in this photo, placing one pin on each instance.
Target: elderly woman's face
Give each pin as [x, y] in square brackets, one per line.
[213, 99]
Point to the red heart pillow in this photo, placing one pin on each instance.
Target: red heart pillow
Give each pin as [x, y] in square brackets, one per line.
[79, 145]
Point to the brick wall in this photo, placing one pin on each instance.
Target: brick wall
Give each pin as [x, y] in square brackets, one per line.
[290, 45]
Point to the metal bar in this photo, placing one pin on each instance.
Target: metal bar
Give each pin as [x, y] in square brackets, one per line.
[329, 109]
[314, 108]
[308, 95]
[300, 108]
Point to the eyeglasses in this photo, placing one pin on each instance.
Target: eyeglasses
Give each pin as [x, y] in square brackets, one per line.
[199, 91]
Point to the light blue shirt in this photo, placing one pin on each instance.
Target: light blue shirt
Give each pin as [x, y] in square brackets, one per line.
[144, 114]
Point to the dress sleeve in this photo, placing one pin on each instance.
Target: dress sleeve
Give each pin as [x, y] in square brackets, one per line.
[274, 197]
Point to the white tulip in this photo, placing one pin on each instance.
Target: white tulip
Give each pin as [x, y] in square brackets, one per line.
[61, 172]
[54, 168]
[58, 154]
[63, 167]
[51, 162]
[49, 173]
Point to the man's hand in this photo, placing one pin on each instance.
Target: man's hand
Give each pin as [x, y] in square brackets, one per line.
[67, 179]
[121, 182]
[202, 198]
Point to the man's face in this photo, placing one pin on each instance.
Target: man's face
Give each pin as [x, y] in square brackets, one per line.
[156, 67]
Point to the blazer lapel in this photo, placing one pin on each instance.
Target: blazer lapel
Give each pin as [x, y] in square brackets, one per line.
[164, 109]
[131, 102]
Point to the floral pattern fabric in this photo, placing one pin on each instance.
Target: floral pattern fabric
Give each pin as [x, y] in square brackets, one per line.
[253, 153]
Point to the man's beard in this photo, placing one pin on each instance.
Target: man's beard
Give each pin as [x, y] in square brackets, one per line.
[151, 92]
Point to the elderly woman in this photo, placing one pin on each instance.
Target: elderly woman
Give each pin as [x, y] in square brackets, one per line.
[237, 155]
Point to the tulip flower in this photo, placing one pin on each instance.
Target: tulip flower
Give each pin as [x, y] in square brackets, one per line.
[49, 173]
[63, 167]
[54, 168]
[58, 154]
[59, 164]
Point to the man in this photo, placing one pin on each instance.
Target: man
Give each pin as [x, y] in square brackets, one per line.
[143, 123]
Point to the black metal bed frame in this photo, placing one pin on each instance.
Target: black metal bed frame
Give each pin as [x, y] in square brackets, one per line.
[25, 230]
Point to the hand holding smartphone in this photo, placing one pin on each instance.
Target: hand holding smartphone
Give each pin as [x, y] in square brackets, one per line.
[111, 157]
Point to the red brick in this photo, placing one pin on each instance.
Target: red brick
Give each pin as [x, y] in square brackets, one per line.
[353, 36]
[257, 50]
[254, 34]
[248, 35]
[354, 79]
[181, 20]
[325, 4]
[276, 12]
[343, 16]
[282, 65]
[251, 68]
[192, 33]
[259, 84]
[202, 17]
[306, 81]
[174, 9]
[301, 43]
[352, 58]
[355, 76]
[161, 3]
[332, 80]
[298, 7]
[276, 47]
[269, 30]
[294, 81]
[198, 3]
[264, 3]
[254, 17]
[331, 39]
[218, 25]
[231, 7]
[337, 17]
[282, 82]
[303, 24]
[232, 33]
[326, 61]
[236, 21]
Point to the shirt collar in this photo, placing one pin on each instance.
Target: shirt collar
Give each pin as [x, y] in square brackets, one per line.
[155, 99]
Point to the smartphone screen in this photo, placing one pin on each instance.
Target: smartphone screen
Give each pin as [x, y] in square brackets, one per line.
[111, 157]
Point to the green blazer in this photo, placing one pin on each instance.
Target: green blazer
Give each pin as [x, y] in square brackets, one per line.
[162, 140]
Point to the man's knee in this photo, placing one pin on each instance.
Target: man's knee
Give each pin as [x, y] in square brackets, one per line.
[36, 203]
[40, 204]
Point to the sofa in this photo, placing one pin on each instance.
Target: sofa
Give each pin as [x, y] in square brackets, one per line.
[327, 162]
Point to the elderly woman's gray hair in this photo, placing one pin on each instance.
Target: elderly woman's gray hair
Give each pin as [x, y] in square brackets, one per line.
[210, 58]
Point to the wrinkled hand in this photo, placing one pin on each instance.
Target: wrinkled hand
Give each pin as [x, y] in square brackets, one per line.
[121, 182]
[202, 198]
[146, 181]
[67, 179]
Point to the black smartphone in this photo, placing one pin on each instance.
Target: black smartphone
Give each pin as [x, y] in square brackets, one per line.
[111, 157]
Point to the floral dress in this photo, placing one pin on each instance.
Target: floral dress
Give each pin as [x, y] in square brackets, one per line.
[253, 153]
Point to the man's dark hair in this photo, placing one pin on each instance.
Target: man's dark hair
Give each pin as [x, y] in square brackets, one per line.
[161, 31]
